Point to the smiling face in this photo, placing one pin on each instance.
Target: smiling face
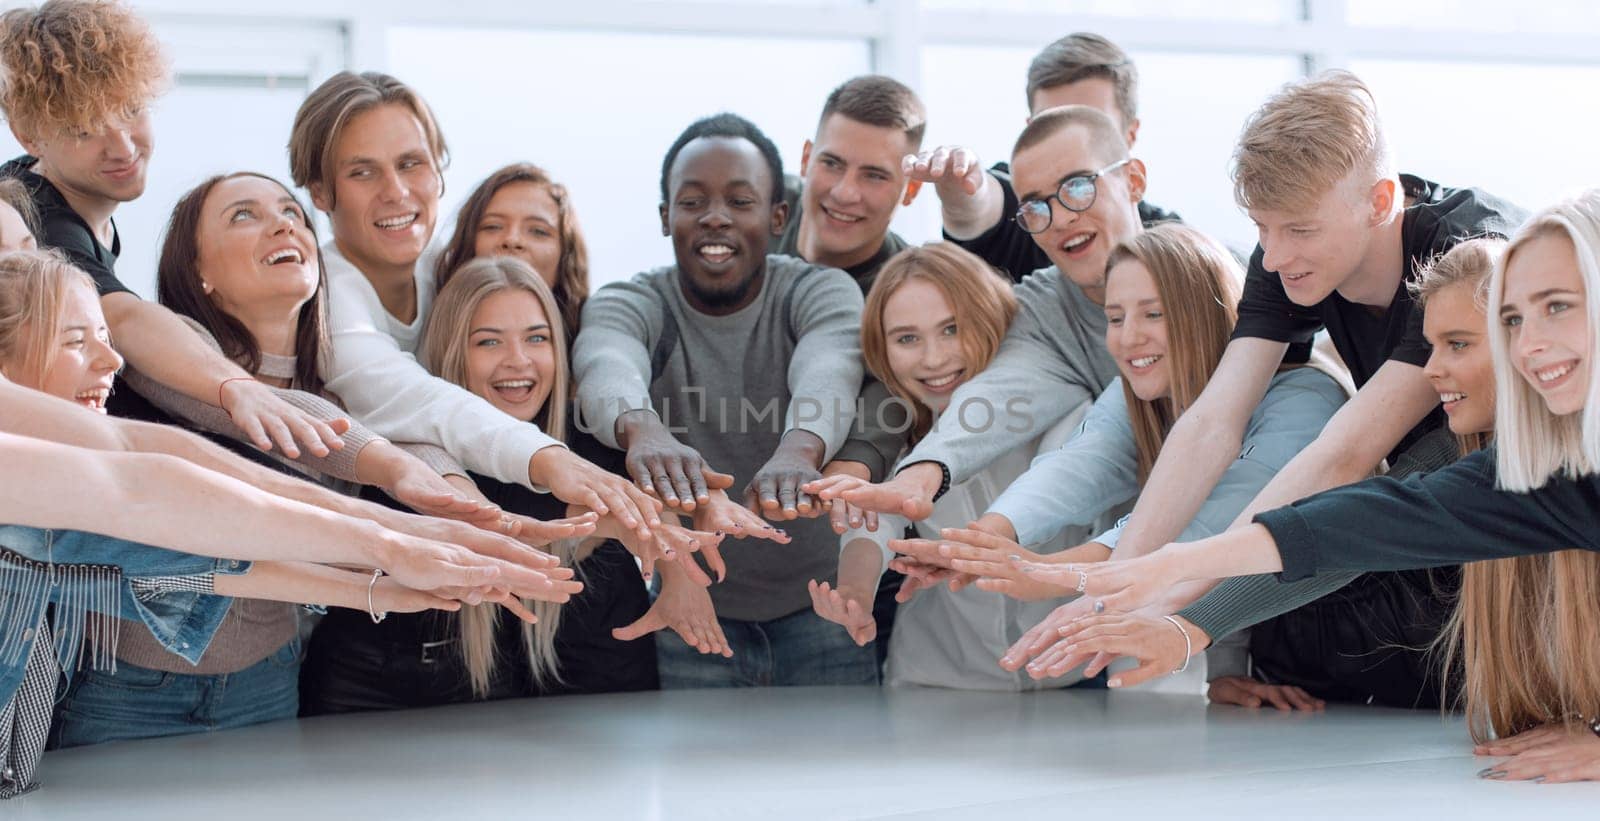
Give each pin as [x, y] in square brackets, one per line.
[522, 220]
[14, 233]
[853, 183]
[1461, 367]
[720, 216]
[386, 191]
[108, 166]
[1318, 249]
[1078, 243]
[511, 354]
[80, 363]
[255, 250]
[1543, 309]
[923, 343]
[1136, 330]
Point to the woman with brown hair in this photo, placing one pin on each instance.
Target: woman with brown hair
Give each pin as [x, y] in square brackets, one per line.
[519, 211]
[1170, 297]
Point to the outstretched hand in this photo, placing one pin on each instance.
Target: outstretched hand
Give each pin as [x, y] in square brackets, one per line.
[684, 608]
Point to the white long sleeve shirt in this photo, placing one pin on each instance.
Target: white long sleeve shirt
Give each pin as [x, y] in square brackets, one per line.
[374, 370]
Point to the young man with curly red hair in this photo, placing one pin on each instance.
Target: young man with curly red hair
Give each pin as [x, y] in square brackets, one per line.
[78, 78]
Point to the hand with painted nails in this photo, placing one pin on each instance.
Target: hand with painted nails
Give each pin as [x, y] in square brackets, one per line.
[842, 515]
[848, 607]
[725, 516]
[682, 545]
[661, 465]
[955, 171]
[776, 490]
[577, 481]
[908, 494]
[1247, 692]
[1548, 754]
[684, 608]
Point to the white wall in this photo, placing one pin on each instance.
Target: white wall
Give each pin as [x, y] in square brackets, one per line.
[1474, 91]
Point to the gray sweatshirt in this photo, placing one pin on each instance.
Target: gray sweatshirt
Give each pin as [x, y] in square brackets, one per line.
[730, 387]
[1053, 359]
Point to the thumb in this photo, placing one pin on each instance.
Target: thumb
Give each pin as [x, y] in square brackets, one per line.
[647, 624]
[340, 426]
[717, 481]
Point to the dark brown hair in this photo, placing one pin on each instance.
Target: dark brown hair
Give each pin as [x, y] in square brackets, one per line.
[876, 100]
[178, 287]
[572, 270]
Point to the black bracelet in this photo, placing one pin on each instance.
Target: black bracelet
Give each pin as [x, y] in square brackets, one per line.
[944, 481]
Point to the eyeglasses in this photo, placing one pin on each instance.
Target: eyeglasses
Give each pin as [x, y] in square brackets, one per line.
[1075, 194]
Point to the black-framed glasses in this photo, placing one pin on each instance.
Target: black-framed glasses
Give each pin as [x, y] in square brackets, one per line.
[1076, 193]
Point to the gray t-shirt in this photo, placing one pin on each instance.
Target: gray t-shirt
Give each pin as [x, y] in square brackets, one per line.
[730, 387]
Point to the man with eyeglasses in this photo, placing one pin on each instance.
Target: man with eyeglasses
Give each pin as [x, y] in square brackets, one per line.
[976, 205]
[1079, 192]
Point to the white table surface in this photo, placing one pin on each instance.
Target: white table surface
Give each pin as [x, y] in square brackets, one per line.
[773, 754]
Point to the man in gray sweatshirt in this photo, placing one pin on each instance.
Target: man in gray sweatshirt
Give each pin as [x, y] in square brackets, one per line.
[737, 362]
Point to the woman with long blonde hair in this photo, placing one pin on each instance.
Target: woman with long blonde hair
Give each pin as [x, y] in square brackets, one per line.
[1535, 491]
[496, 331]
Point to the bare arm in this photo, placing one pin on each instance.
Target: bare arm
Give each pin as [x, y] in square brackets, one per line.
[1201, 445]
[158, 343]
[1355, 440]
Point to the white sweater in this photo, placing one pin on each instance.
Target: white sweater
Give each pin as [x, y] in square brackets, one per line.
[374, 370]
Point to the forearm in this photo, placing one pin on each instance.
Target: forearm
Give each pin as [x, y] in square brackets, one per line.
[802, 445]
[158, 343]
[967, 217]
[1243, 551]
[1193, 459]
[1238, 603]
[861, 563]
[381, 464]
[164, 501]
[298, 583]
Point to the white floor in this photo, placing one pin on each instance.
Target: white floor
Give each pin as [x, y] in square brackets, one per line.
[807, 753]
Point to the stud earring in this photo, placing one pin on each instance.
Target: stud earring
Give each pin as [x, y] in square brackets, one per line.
[205, 287]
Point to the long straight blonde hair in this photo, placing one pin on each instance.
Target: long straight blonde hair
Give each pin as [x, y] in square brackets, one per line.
[1527, 629]
[444, 353]
[1199, 284]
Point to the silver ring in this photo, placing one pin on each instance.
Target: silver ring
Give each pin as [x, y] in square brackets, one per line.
[1083, 581]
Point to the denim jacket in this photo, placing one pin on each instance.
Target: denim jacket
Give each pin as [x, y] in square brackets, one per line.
[83, 573]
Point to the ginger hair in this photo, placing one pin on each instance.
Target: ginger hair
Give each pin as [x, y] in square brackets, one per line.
[70, 66]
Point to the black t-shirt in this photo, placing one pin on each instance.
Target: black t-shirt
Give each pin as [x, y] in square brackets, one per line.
[788, 243]
[61, 228]
[1012, 250]
[1435, 222]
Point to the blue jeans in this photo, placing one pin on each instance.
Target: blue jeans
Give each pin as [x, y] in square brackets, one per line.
[796, 650]
[137, 702]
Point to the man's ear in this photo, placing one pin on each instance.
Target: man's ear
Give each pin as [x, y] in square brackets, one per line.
[780, 218]
[1384, 195]
[26, 141]
[319, 197]
[666, 231]
[911, 192]
[1133, 133]
[805, 157]
[1136, 180]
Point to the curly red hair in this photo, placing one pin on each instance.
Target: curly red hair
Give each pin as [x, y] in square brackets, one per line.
[69, 66]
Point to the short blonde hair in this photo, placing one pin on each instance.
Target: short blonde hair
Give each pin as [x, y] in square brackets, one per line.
[1533, 444]
[329, 108]
[33, 287]
[71, 65]
[1305, 139]
[981, 299]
